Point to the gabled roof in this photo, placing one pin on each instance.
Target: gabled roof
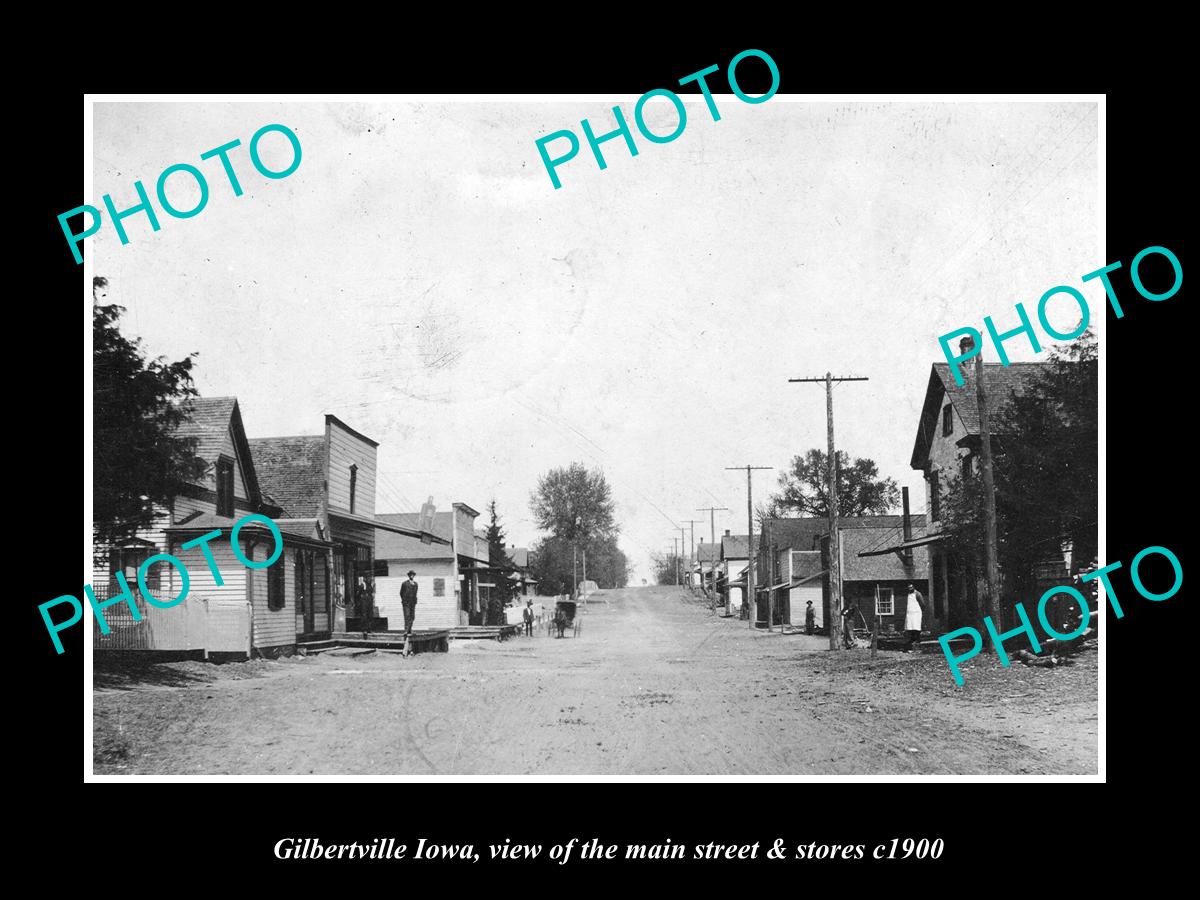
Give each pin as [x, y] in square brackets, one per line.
[878, 568]
[1000, 381]
[210, 419]
[292, 472]
[799, 533]
[708, 553]
[733, 546]
[519, 556]
[389, 545]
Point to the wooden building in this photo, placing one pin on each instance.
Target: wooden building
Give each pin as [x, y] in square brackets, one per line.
[244, 610]
[946, 448]
[449, 573]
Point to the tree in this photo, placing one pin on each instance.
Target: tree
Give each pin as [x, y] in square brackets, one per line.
[804, 487]
[551, 561]
[504, 590]
[664, 564]
[574, 504]
[138, 403]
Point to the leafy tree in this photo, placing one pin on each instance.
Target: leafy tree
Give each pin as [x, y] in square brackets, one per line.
[574, 503]
[860, 489]
[504, 590]
[664, 566]
[138, 403]
[551, 563]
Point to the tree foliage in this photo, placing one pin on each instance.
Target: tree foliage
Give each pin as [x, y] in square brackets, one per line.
[505, 589]
[551, 563]
[668, 567]
[804, 487]
[574, 503]
[138, 403]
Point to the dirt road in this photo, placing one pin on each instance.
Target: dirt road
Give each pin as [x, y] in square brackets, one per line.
[653, 685]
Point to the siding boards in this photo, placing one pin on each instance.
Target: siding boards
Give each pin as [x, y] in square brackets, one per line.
[432, 612]
[346, 450]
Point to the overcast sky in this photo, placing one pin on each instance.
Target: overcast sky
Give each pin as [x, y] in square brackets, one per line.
[419, 277]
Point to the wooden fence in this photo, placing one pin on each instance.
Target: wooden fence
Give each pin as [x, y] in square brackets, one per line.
[213, 626]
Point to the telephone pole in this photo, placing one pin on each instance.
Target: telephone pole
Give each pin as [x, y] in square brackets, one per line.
[991, 573]
[676, 540]
[751, 604]
[712, 524]
[691, 523]
[835, 567]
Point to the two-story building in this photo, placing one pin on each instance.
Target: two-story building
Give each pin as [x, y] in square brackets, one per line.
[947, 447]
[235, 609]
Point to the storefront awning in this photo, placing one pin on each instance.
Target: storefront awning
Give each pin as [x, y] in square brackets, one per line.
[424, 536]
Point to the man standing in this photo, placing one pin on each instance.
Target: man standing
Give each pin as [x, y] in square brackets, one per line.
[408, 599]
[528, 614]
[913, 611]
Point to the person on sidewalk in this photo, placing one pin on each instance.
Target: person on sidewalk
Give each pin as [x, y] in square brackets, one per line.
[408, 600]
[528, 616]
[914, 609]
[810, 618]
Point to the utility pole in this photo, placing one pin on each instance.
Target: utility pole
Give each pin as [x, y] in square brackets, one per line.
[585, 576]
[692, 543]
[712, 563]
[676, 540]
[991, 572]
[751, 604]
[835, 568]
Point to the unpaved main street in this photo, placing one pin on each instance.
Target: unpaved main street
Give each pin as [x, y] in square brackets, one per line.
[653, 685]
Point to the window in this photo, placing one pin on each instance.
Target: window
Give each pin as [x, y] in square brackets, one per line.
[381, 568]
[885, 603]
[275, 595]
[353, 485]
[947, 419]
[966, 466]
[439, 587]
[225, 487]
[935, 497]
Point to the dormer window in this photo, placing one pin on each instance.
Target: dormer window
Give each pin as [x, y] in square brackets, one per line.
[225, 488]
[353, 485]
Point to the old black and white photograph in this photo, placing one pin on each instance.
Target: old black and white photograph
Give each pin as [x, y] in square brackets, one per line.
[439, 438]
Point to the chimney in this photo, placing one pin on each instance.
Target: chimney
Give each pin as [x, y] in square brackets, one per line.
[967, 343]
[727, 532]
[908, 554]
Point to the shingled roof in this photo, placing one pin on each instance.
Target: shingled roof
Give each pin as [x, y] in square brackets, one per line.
[1001, 382]
[733, 546]
[708, 553]
[878, 568]
[291, 471]
[210, 420]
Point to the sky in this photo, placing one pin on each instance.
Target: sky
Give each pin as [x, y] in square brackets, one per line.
[419, 277]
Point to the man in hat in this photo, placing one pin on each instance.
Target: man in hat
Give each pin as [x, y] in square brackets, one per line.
[528, 615]
[914, 608]
[408, 599]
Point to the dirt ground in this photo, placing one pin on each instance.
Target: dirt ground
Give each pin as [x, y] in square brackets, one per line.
[653, 685]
